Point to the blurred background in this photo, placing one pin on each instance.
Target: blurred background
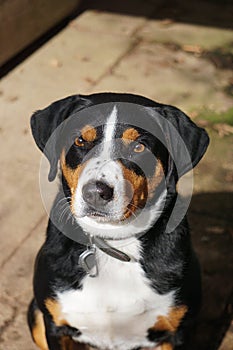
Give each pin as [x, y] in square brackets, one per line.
[172, 51]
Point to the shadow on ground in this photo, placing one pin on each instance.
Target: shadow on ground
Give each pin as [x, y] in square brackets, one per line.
[213, 13]
[211, 222]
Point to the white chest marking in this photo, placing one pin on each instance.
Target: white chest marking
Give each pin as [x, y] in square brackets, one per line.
[114, 310]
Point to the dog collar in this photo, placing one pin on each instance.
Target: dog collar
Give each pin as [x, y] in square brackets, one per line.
[88, 261]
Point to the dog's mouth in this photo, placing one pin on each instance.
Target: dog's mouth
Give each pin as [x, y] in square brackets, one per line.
[96, 214]
[108, 216]
[112, 217]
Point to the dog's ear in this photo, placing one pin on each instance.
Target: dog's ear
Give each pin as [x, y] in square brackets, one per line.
[45, 122]
[190, 148]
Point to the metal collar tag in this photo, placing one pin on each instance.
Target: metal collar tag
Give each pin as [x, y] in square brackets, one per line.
[87, 261]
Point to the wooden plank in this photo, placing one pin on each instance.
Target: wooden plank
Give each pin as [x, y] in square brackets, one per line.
[23, 21]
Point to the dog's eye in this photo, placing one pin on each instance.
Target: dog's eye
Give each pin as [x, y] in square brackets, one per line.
[79, 141]
[139, 147]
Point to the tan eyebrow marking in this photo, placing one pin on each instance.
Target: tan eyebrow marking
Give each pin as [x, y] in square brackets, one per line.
[88, 133]
[130, 134]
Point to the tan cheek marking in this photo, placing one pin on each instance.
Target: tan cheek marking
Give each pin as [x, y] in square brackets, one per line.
[155, 180]
[138, 191]
[130, 134]
[54, 309]
[88, 133]
[71, 175]
[38, 331]
[166, 346]
[172, 321]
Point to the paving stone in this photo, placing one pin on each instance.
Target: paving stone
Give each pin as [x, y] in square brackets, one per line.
[16, 291]
[105, 22]
[210, 218]
[228, 340]
[168, 76]
[18, 335]
[7, 310]
[208, 38]
[19, 211]
[214, 174]
[68, 64]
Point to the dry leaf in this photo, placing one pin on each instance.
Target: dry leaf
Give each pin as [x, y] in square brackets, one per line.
[202, 122]
[193, 48]
[223, 129]
[167, 22]
[55, 63]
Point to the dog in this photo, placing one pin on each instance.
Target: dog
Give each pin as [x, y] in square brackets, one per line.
[111, 275]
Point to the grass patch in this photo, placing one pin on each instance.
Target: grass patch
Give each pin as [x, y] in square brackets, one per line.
[222, 57]
[216, 117]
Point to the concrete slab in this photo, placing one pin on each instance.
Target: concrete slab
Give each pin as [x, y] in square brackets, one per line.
[17, 336]
[16, 291]
[105, 22]
[228, 339]
[170, 76]
[214, 173]
[210, 217]
[165, 31]
[68, 64]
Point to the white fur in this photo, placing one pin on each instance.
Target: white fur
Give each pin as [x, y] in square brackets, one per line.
[105, 169]
[114, 310]
[109, 133]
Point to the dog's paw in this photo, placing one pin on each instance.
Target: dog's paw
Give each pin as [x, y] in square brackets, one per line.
[66, 331]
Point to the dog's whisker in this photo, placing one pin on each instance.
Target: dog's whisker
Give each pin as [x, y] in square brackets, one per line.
[70, 216]
[62, 208]
[135, 206]
[132, 213]
[66, 200]
[64, 212]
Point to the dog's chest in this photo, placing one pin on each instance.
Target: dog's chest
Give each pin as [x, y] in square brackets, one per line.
[115, 309]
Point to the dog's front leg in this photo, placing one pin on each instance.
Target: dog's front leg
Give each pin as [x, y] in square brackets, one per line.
[60, 337]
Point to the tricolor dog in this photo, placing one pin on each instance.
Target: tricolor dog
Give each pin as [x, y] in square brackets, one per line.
[117, 270]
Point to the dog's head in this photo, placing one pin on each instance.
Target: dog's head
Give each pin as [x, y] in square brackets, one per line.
[118, 153]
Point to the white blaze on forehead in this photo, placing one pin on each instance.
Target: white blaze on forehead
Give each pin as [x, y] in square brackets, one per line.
[109, 132]
[103, 168]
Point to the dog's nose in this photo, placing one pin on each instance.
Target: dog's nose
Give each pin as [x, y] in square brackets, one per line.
[97, 193]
